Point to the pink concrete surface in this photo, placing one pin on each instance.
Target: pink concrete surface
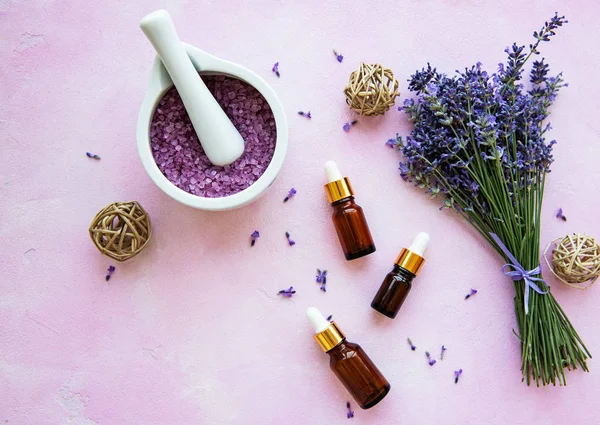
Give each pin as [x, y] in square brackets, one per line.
[191, 331]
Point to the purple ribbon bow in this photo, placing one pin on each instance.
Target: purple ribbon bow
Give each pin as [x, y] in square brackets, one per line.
[519, 273]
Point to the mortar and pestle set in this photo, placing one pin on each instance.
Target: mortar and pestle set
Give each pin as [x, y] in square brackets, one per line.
[182, 65]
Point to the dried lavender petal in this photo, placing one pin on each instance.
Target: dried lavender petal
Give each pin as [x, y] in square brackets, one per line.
[253, 237]
[180, 156]
[290, 195]
[275, 69]
[350, 413]
[287, 293]
[560, 215]
[110, 271]
[412, 346]
[430, 360]
[457, 374]
[470, 294]
[338, 56]
[289, 239]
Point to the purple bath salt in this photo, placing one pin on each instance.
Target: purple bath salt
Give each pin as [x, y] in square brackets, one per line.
[180, 156]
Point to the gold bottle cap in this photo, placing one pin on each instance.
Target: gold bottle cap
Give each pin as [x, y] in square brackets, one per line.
[410, 261]
[338, 189]
[330, 337]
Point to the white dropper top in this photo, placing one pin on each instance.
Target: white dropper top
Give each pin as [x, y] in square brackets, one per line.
[420, 243]
[333, 171]
[317, 320]
[221, 141]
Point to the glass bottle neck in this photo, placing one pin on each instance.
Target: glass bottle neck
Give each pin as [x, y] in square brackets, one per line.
[403, 272]
[338, 347]
[341, 202]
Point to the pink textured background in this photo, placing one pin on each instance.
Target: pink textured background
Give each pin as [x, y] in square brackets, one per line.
[191, 331]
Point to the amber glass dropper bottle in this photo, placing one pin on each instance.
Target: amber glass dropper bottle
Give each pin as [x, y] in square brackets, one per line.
[348, 217]
[349, 362]
[398, 282]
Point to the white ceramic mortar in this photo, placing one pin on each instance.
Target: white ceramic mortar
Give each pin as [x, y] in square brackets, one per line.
[208, 64]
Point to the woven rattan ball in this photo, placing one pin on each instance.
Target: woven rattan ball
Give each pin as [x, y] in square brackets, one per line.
[121, 230]
[372, 89]
[575, 260]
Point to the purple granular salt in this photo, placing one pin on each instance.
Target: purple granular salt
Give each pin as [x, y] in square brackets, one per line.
[180, 156]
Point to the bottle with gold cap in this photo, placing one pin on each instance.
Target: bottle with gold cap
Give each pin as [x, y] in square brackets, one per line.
[348, 217]
[349, 362]
[397, 283]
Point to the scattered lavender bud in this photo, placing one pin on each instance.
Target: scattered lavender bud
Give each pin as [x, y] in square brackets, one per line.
[305, 114]
[457, 374]
[339, 57]
[412, 346]
[253, 237]
[391, 143]
[347, 125]
[290, 195]
[276, 69]
[431, 361]
[470, 294]
[289, 239]
[92, 155]
[329, 317]
[287, 293]
[322, 279]
[350, 413]
[111, 269]
[442, 355]
[560, 215]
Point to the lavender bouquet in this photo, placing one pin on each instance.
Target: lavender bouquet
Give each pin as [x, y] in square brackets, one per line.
[478, 143]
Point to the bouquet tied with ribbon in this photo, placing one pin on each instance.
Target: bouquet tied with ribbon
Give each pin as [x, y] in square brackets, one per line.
[478, 143]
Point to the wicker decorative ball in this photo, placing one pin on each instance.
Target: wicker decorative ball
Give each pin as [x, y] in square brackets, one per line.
[121, 230]
[372, 89]
[575, 260]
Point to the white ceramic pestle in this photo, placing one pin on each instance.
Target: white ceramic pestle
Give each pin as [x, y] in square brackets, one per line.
[220, 140]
